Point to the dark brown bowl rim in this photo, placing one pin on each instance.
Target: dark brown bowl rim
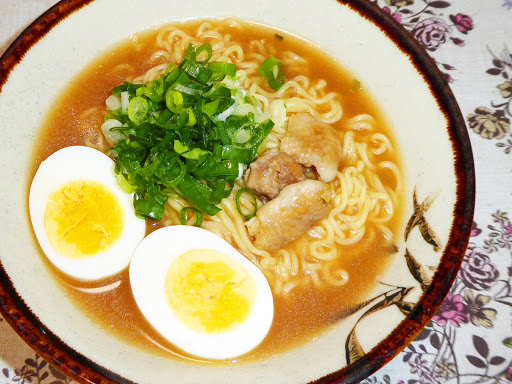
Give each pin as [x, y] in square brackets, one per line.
[83, 370]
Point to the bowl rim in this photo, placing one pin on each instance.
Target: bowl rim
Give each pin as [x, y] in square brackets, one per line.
[83, 370]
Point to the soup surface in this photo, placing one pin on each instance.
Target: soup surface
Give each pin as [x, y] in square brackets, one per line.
[306, 304]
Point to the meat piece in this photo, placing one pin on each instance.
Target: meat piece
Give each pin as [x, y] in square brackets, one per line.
[273, 171]
[291, 214]
[312, 142]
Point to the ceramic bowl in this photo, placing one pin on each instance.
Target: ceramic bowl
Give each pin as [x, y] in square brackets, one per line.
[406, 85]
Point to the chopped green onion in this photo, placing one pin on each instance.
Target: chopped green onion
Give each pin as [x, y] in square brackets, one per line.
[218, 91]
[183, 216]
[223, 133]
[127, 87]
[125, 185]
[240, 155]
[125, 99]
[179, 147]
[211, 170]
[242, 136]
[191, 188]
[187, 90]
[181, 175]
[195, 154]
[174, 100]
[171, 77]
[113, 103]
[177, 136]
[237, 201]
[191, 51]
[137, 109]
[219, 190]
[204, 48]
[192, 120]
[272, 70]
[217, 77]
[196, 70]
[183, 79]
[211, 108]
[148, 209]
[221, 67]
[171, 67]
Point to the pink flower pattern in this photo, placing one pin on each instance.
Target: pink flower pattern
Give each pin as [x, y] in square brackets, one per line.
[396, 16]
[452, 310]
[477, 270]
[431, 33]
[464, 23]
[432, 29]
[508, 229]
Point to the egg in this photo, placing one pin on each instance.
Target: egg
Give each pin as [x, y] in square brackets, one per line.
[84, 222]
[200, 293]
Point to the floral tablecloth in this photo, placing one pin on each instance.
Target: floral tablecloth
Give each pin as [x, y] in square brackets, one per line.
[469, 340]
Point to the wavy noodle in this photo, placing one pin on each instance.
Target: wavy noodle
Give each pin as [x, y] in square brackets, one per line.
[363, 205]
[361, 122]
[382, 144]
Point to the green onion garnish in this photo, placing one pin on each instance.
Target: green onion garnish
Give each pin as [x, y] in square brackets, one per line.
[137, 109]
[225, 68]
[237, 201]
[272, 70]
[179, 137]
[148, 209]
[204, 48]
[183, 216]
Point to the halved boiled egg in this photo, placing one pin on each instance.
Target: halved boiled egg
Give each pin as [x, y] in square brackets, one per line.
[84, 222]
[200, 293]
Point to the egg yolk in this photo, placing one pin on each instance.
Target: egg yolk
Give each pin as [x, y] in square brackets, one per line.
[83, 218]
[209, 292]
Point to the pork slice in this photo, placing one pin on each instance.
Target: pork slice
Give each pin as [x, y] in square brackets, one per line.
[291, 214]
[273, 171]
[311, 142]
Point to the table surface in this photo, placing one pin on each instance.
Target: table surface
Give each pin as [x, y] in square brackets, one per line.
[470, 338]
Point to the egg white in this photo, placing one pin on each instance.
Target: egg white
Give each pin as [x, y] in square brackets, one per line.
[148, 269]
[84, 163]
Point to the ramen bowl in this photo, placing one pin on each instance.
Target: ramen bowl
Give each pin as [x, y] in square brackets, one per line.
[436, 194]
